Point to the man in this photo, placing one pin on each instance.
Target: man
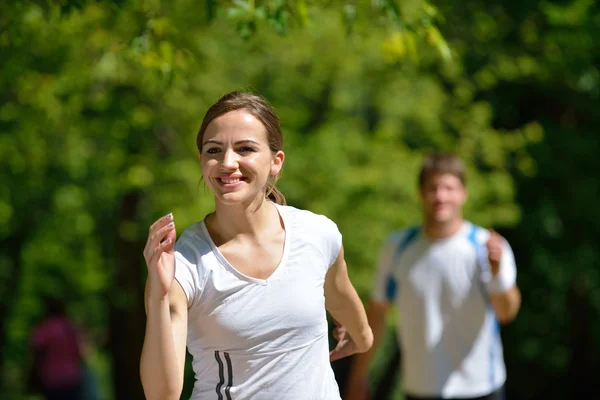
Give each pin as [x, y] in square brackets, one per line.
[451, 282]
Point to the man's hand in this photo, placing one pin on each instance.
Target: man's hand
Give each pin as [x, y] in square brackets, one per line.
[494, 248]
[506, 303]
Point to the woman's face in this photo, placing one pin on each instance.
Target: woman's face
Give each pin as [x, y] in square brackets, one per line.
[236, 160]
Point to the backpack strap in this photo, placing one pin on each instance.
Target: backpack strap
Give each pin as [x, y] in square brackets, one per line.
[480, 260]
[392, 286]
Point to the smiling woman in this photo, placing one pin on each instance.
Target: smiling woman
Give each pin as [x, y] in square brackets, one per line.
[255, 128]
[236, 159]
[248, 286]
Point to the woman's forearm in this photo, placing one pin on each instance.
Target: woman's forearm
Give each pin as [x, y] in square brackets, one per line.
[160, 366]
[343, 303]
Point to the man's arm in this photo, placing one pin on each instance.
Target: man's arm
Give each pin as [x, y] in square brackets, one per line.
[504, 293]
[378, 306]
[507, 304]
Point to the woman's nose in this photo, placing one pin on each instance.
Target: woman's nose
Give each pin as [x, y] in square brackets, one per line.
[230, 159]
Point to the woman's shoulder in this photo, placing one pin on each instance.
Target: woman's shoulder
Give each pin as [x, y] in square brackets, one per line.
[192, 266]
[193, 240]
[319, 231]
[312, 226]
[308, 219]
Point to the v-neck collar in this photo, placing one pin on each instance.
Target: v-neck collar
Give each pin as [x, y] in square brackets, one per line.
[286, 248]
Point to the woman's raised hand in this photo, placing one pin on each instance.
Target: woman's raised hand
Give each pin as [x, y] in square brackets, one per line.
[160, 256]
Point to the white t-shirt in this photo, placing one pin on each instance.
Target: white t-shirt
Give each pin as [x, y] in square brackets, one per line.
[260, 339]
[448, 330]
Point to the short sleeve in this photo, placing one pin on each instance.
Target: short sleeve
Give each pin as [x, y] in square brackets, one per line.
[507, 275]
[316, 230]
[332, 241]
[186, 270]
[385, 286]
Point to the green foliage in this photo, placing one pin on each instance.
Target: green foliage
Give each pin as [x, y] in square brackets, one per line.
[101, 101]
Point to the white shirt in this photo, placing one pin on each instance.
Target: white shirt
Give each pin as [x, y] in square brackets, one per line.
[448, 330]
[260, 339]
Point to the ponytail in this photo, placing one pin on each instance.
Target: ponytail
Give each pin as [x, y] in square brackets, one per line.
[276, 196]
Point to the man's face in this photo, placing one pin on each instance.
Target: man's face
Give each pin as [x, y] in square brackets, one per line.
[443, 196]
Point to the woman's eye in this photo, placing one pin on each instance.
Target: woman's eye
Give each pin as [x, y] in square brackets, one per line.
[212, 150]
[246, 149]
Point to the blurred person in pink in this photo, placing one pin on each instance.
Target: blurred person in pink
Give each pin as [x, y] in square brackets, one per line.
[57, 370]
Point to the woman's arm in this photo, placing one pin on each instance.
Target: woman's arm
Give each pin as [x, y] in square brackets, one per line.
[163, 353]
[342, 301]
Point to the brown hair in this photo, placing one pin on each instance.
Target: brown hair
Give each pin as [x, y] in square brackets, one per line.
[442, 163]
[261, 110]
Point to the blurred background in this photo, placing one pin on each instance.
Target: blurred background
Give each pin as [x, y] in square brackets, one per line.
[100, 102]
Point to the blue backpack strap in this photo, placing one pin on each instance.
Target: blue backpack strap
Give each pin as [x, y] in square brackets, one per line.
[391, 287]
[480, 257]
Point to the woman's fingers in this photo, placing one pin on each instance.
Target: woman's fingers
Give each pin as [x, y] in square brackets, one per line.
[345, 345]
[159, 238]
[343, 349]
[338, 333]
[161, 230]
[159, 223]
[161, 234]
[171, 234]
[165, 245]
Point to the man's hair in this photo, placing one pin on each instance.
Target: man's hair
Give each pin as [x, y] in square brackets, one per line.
[442, 163]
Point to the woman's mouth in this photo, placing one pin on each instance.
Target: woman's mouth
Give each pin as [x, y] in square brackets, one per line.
[228, 181]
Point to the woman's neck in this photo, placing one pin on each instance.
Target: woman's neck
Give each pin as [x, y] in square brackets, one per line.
[249, 221]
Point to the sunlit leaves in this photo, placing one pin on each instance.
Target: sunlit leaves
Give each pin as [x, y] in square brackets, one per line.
[101, 100]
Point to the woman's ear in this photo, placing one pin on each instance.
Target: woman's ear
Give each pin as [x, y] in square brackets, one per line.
[277, 163]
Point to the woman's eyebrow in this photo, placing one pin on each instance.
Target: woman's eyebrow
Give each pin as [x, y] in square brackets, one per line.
[215, 141]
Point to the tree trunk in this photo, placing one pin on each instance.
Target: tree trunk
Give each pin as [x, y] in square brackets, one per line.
[126, 308]
[12, 246]
[581, 375]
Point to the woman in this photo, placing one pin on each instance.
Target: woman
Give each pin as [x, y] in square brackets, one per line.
[248, 286]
